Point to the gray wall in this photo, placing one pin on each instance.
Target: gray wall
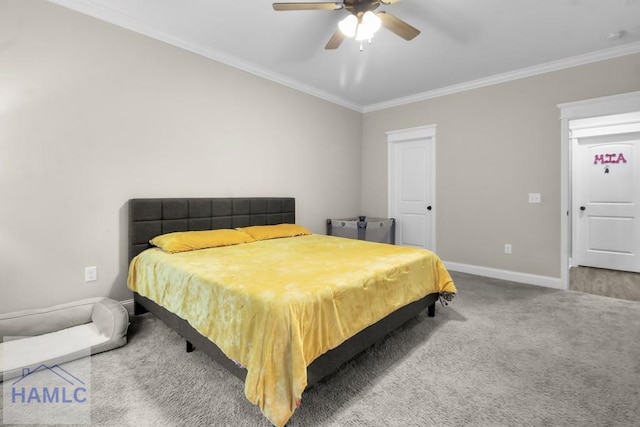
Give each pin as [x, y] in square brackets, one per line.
[494, 145]
[92, 115]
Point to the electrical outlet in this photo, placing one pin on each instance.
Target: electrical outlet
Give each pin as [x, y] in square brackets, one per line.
[507, 248]
[535, 198]
[91, 274]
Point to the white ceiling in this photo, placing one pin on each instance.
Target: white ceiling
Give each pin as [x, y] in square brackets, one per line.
[463, 44]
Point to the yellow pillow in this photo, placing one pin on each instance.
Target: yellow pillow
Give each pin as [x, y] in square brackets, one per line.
[191, 240]
[264, 232]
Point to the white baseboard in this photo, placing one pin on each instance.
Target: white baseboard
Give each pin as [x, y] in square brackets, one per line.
[514, 276]
[128, 304]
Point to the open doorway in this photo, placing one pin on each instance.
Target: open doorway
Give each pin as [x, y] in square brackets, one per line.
[601, 195]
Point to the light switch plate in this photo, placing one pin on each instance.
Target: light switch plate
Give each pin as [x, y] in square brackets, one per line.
[534, 198]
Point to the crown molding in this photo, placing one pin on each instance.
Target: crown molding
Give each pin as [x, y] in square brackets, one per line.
[90, 8]
[93, 9]
[574, 61]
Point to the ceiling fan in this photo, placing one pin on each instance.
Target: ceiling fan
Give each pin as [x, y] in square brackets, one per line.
[361, 23]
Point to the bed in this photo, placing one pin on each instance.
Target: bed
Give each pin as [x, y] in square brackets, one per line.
[149, 218]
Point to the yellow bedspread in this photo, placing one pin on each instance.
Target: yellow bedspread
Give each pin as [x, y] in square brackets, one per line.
[276, 305]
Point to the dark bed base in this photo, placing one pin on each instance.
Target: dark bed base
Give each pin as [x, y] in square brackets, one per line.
[322, 366]
[151, 217]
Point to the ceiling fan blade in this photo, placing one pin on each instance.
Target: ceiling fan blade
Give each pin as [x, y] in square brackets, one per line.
[308, 6]
[398, 26]
[335, 40]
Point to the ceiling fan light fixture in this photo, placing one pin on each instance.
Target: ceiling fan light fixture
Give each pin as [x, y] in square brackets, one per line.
[369, 24]
[349, 25]
[361, 23]
[361, 28]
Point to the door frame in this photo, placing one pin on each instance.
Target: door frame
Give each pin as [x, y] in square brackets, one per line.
[408, 135]
[581, 129]
[589, 108]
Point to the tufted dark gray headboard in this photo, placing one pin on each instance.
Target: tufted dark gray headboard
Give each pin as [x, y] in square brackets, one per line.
[151, 217]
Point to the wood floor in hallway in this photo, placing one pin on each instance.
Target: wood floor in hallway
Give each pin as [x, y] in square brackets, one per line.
[610, 283]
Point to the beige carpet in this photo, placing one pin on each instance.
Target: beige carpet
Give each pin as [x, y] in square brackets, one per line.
[501, 354]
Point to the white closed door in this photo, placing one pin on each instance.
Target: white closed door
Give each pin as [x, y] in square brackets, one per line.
[606, 202]
[412, 188]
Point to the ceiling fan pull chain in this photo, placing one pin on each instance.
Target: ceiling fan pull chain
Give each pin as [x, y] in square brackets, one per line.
[361, 49]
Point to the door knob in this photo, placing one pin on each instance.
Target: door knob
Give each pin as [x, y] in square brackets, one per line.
[428, 208]
[582, 208]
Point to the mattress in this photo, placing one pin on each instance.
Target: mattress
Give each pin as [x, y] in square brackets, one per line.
[274, 306]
